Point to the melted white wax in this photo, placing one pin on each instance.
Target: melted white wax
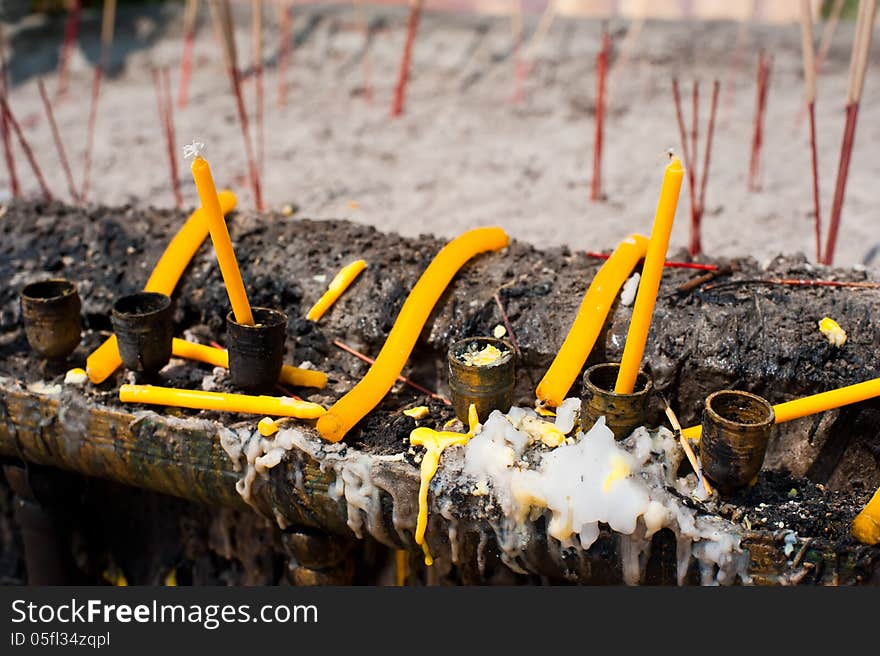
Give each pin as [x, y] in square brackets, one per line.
[593, 479]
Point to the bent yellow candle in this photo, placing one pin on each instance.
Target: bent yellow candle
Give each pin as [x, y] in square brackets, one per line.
[866, 525]
[241, 308]
[181, 348]
[811, 405]
[590, 318]
[435, 442]
[277, 406]
[649, 285]
[352, 407]
[104, 360]
[335, 289]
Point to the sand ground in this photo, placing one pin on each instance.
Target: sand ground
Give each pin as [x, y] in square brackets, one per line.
[464, 154]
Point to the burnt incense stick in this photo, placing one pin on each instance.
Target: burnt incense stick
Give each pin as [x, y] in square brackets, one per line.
[765, 63]
[90, 132]
[412, 27]
[162, 83]
[601, 72]
[190, 23]
[686, 150]
[809, 66]
[71, 28]
[59, 144]
[25, 146]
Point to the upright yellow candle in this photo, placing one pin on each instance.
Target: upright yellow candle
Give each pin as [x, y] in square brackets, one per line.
[652, 271]
[201, 172]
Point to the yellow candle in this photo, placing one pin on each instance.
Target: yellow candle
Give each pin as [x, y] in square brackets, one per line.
[365, 396]
[241, 308]
[104, 360]
[435, 442]
[278, 406]
[337, 286]
[811, 405]
[866, 525]
[652, 271]
[590, 318]
[294, 376]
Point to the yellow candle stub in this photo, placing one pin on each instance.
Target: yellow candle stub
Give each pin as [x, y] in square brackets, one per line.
[267, 427]
[367, 394]
[337, 286]
[279, 406]
[435, 442]
[590, 318]
[104, 360]
[241, 308]
[649, 285]
[419, 412]
[835, 335]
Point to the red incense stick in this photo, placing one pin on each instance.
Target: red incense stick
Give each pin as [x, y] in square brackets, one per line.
[59, 144]
[601, 72]
[71, 27]
[25, 146]
[8, 152]
[403, 77]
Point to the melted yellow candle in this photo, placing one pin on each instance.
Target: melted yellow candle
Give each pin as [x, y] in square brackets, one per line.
[352, 407]
[866, 525]
[591, 317]
[104, 360]
[279, 406]
[811, 405]
[337, 286]
[241, 308]
[649, 285]
[435, 442]
[180, 348]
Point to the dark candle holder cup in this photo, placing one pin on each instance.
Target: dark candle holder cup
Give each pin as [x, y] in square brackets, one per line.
[144, 331]
[736, 430]
[50, 311]
[489, 386]
[623, 412]
[256, 352]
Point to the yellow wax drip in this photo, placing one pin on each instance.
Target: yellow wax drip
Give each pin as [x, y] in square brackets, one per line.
[280, 406]
[649, 285]
[400, 573]
[337, 286]
[267, 427]
[487, 355]
[241, 308]
[590, 318]
[619, 471]
[104, 360]
[835, 335]
[811, 405]
[180, 348]
[866, 525]
[367, 394]
[435, 442]
[419, 412]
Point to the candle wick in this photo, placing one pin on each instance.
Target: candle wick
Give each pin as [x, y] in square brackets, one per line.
[670, 153]
[193, 150]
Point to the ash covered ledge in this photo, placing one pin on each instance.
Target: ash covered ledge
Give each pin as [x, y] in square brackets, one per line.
[745, 335]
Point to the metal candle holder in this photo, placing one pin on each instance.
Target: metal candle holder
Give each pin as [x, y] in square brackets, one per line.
[256, 352]
[623, 412]
[50, 311]
[489, 387]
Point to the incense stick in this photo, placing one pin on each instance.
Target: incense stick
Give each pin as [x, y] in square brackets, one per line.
[601, 72]
[190, 23]
[90, 132]
[71, 28]
[688, 164]
[810, 86]
[828, 33]
[59, 144]
[162, 82]
[25, 146]
[403, 76]
[765, 63]
[8, 152]
[858, 68]
[257, 57]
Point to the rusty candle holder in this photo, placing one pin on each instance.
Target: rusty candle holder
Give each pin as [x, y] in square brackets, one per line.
[623, 412]
[144, 331]
[256, 352]
[488, 386]
[50, 311]
[736, 430]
